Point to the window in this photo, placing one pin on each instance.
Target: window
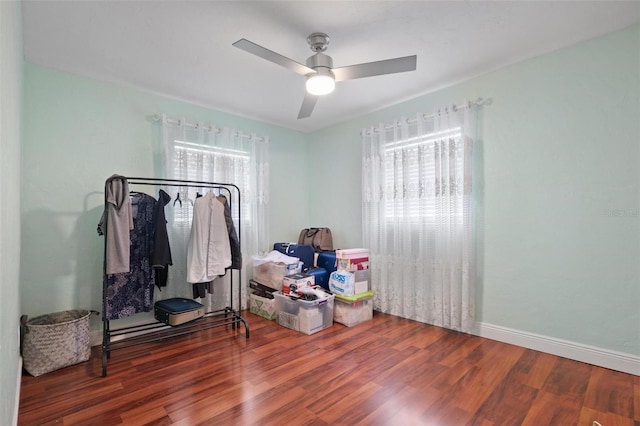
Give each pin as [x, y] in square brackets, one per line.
[193, 161]
[417, 216]
[204, 152]
[414, 170]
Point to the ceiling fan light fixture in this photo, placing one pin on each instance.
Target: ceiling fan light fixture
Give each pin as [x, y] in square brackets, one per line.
[321, 83]
[319, 71]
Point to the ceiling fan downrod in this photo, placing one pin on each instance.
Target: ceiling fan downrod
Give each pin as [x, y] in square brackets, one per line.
[318, 43]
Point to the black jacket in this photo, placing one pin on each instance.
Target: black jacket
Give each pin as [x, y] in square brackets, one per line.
[161, 251]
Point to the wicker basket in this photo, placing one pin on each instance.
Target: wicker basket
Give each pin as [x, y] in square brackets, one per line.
[54, 341]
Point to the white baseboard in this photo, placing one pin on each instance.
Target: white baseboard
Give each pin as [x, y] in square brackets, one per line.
[18, 387]
[618, 361]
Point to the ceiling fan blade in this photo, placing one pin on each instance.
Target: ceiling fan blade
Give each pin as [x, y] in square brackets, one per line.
[308, 103]
[388, 66]
[272, 56]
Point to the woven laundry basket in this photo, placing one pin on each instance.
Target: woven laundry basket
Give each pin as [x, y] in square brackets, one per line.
[54, 341]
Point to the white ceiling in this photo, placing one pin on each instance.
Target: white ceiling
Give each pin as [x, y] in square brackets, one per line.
[182, 49]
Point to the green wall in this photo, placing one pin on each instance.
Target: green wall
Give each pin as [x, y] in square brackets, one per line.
[11, 62]
[557, 186]
[557, 189]
[77, 133]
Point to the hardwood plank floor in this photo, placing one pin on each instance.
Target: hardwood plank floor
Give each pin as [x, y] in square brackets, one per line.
[388, 371]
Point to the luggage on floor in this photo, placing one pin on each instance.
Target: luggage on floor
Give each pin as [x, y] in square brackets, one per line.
[321, 276]
[304, 252]
[177, 310]
[327, 260]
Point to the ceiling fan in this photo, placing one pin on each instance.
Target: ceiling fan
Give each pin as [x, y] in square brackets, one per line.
[319, 71]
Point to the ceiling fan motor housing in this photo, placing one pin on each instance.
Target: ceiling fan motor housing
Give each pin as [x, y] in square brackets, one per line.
[319, 60]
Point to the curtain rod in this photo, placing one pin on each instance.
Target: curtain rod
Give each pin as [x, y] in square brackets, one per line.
[210, 128]
[425, 116]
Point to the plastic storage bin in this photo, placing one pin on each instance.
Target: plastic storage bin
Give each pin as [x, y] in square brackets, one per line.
[352, 310]
[271, 274]
[305, 316]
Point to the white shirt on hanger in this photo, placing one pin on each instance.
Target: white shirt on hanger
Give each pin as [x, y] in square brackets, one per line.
[209, 251]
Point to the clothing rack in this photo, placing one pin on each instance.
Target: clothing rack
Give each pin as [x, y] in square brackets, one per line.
[152, 330]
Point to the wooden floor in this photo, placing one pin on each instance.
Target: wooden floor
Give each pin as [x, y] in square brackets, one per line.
[388, 371]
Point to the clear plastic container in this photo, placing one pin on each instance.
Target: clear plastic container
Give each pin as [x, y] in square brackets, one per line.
[353, 310]
[305, 316]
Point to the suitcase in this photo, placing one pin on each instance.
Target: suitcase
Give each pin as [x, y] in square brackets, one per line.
[177, 311]
[327, 260]
[303, 252]
[321, 276]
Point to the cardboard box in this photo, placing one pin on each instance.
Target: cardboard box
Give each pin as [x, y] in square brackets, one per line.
[353, 265]
[352, 259]
[347, 283]
[293, 283]
[354, 253]
[305, 316]
[353, 310]
[362, 281]
[262, 306]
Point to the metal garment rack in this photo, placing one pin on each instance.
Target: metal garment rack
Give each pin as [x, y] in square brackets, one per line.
[152, 330]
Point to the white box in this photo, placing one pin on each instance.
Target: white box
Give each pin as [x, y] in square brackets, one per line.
[347, 283]
[362, 281]
[305, 316]
[262, 306]
[293, 283]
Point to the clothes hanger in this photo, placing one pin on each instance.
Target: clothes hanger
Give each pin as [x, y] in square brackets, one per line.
[177, 200]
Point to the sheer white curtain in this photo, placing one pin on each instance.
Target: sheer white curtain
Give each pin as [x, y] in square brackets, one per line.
[418, 216]
[202, 152]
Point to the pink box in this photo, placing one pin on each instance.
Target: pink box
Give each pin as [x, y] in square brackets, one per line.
[352, 253]
[352, 259]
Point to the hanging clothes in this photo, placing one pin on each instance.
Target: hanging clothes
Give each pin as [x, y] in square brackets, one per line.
[118, 220]
[208, 252]
[200, 290]
[234, 241]
[131, 292]
[161, 249]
